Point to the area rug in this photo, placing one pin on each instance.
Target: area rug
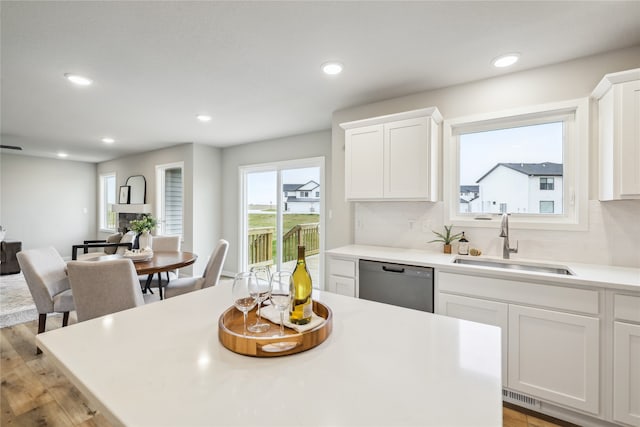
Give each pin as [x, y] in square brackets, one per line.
[16, 304]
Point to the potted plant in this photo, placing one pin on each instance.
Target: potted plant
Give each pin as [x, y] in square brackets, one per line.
[143, 226]
[447, 238]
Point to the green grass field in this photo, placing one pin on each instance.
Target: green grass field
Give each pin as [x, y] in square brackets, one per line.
[289, 220]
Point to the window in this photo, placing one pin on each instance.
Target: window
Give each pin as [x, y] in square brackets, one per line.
[546, 206]
[108, 218]
[546, 183]
[170, 198]
[317, 194]
[531, 163]
[304, 194]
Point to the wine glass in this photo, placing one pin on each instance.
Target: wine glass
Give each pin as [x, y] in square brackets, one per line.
[260, 289]
[243, 300]
[281, 294]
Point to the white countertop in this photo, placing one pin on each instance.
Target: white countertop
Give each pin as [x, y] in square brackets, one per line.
[162, 365]
[605, 276]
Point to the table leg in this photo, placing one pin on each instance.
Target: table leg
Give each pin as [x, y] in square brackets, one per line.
[147, 285]
[160, 285]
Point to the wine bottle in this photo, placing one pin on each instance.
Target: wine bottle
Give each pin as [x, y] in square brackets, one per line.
[301, 307]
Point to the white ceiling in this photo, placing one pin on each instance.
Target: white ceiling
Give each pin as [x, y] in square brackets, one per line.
[255, 66]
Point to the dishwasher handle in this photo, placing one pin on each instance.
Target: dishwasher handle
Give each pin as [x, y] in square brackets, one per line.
[393, 270]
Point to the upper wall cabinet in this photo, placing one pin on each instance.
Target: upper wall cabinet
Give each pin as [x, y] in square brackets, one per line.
[618, 97]
[393, 157]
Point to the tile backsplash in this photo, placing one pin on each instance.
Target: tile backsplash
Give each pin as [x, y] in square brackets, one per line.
[613, 237]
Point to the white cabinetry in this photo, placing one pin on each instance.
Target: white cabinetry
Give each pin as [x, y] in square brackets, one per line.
[626, 360]
[342, 276]
[618, 97]
[393, 157]
[552, 332]
[554, 356]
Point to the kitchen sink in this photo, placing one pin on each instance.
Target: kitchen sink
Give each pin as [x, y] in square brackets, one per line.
[510, 265]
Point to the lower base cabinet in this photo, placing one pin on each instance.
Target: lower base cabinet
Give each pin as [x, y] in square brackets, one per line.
[626, 373]
[555, 356]
[342, 285]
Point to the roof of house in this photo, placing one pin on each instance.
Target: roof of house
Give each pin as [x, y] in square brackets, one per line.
[307, 186]
[531, 169]
[469, 188]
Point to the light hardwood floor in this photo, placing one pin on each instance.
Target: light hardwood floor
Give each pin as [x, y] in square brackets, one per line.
[34, 393]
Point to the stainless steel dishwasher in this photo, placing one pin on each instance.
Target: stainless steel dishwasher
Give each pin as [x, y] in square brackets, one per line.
[403, 285]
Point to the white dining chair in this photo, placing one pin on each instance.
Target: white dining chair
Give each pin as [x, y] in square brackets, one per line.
[103, 287]
[46, 277]
[210, 276]
[161, 244]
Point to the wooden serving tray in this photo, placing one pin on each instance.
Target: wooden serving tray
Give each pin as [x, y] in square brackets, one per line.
[269, 344]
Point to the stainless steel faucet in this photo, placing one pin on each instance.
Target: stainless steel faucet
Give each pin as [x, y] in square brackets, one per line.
[504, 233]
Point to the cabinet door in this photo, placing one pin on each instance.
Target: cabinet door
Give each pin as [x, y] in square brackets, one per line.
[406, 159]
[363, 162]
[342, 285]
[554, 356]
[626, 373]
[629, 128]
[481, 311]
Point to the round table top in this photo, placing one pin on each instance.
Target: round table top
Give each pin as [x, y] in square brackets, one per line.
[161, 261]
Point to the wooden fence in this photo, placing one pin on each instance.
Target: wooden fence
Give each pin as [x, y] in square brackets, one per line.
[262, 244]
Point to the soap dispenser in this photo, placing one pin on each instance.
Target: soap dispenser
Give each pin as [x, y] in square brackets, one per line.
[463, 245]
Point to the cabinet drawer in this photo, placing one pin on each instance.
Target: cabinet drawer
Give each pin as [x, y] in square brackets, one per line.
[342, 285]
[626, 307]
[551, 296]
[342, 267]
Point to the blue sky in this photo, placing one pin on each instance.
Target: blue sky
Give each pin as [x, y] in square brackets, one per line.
[262, 185]
[480, 151]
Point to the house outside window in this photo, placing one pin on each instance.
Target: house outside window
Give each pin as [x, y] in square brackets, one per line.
[546, 183]
[297, 198]
[546, 206]
[531, 162]
[108, 218]
[170, 198]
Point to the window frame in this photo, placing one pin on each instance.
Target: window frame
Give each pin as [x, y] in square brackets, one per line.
[575, 114]
[103, 204]
[160, 191]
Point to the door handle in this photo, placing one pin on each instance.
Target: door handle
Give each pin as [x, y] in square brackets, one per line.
[393, 270]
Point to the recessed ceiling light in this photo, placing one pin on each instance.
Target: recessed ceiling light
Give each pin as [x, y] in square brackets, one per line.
[332, 68]
[79, 80]
[203, 117]
[108, 140]
[63, 155]
[506, 60]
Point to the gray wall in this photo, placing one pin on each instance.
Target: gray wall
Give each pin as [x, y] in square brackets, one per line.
[569, 80]
[47, 202]
[317, 144]
[207, 194]
[201, 227]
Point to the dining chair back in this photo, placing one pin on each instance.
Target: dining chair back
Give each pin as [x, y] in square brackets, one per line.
[161, 244]
[210, 277]
[213, 269]
[104, 287]
[46, 277]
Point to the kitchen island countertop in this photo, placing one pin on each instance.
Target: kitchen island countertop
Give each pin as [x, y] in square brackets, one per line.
[162, 365]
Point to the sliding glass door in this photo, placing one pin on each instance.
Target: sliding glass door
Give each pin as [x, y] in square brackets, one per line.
[282, 208]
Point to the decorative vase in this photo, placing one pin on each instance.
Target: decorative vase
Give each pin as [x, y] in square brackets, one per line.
[144, 240]
[447, 249]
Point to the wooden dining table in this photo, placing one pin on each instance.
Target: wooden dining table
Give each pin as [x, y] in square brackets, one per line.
[159, 263]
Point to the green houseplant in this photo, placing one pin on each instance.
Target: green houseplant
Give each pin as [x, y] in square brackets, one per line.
[142, 227]
[446, 238]
[144, 224]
